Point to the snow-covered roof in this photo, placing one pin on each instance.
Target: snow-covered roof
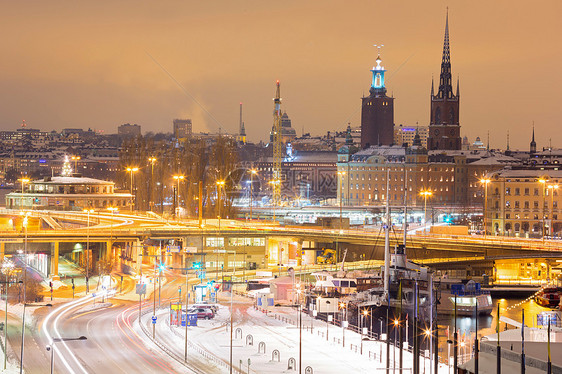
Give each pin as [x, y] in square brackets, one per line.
[70, 180]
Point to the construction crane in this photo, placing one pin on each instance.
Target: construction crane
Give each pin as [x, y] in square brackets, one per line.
[277, 148]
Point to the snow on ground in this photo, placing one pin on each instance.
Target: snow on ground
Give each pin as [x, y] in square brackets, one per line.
[323, 356]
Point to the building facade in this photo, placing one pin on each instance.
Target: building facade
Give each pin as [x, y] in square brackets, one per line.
[182, 128]
[406, 134]
[68, 193]
[524, 202]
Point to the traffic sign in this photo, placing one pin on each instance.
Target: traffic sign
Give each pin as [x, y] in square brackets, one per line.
[154, 318]
[141, 288]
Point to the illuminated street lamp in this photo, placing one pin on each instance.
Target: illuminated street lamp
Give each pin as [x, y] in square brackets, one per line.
[51, 347]
[252, 173]
[132, 170]
[274, 182]
[341, 174]
[220, 184]
[23, 181]
[485, 182]
[112, 209]
[75, 159]
[552, 188]
[543, 182]
[152, 160]
[88, 211]
[177, 178]
[425, 194]
[343, 308]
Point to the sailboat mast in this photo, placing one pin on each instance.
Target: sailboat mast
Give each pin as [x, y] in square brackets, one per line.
[405, 226]
[387, 235]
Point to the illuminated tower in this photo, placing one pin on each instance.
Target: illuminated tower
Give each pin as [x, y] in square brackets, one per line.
[377, 113]
[444, 127]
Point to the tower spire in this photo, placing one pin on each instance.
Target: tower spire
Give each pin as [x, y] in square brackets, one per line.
[377, 84]
[533, 145]
[432, 90]
[445, 79]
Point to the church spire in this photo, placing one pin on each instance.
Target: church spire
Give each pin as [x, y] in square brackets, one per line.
[432, 90]
[445, 78]
[533, 145]
[377, 84]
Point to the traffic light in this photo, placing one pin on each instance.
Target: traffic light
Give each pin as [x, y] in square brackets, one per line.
[196, 265]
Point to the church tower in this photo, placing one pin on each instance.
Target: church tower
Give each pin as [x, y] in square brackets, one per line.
[377, 113]
[444, 127]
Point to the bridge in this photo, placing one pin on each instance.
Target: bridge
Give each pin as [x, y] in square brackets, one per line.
[136, 238]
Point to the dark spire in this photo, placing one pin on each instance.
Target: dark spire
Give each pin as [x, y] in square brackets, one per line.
[533, 145]
[348, 137]
[458, 89]
[445, 79]
[417, 139]
[432, 90]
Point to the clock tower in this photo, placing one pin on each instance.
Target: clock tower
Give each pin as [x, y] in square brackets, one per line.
[444, 127]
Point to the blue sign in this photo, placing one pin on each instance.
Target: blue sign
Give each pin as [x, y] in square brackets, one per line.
[154, 318]
[191, 319]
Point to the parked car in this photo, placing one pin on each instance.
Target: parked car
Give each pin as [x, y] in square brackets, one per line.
[206, 313]
[213, 307]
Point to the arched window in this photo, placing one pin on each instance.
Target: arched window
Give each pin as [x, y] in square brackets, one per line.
[438, 115]
[451, 116]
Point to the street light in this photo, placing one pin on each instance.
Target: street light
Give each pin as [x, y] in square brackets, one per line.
[23, 329]
[177, 178]
[485, 182]
[273, 183]
[219, 183]
[112, 209]
[552, 188]
[343, 307]
[88, 211]
[252, 173]
[132, 170]
[543, 182]
[51, 347]
[425, 194]
[341, 174]
[152, 160]
[75, 159]
[23, 181]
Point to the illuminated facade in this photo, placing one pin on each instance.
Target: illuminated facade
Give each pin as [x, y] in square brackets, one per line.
[524, 202]
[406, 134]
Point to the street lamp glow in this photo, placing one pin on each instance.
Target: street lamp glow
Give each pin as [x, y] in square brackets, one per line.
[396, 322]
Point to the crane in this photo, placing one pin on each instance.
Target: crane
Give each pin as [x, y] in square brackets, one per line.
[277, 148]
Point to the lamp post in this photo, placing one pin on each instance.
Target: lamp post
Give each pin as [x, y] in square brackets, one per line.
[23, 330]
[552, 188]
[219, 183]
[341, 174]
[7, 284]
[112, 209]
[23, 181]
[543, 182]
[75, 159]
[273, 182]
[425, 194]
[152, 160]
[177, 178]
[365, 313]
[343, 323]
[396, 328]
[88, 211]
[132, 170]
[252, 173]
[485, 182]
[51, 347]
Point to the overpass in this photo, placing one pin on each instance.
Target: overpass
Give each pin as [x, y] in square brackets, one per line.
[230, 243]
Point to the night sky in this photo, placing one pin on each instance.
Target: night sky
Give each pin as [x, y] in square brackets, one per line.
[87, 64]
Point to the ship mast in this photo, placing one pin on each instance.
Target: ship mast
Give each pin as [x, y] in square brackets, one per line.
[387, 236]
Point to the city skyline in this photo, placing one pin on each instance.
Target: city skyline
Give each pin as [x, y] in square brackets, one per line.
[97, 65]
